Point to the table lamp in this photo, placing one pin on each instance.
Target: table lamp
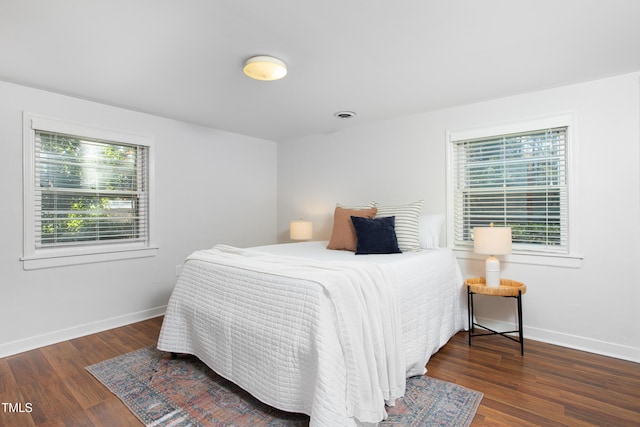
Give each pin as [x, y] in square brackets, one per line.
[492, 241]
[300, 230]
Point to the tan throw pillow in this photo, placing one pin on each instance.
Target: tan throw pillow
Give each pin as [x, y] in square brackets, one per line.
[343, 235]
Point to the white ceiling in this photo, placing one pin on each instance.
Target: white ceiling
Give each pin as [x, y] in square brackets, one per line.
[182, 59]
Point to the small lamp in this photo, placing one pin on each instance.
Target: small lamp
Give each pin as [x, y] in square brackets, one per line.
[300, 230]
[492, 241]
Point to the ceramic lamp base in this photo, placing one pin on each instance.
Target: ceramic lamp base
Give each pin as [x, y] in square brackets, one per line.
[492, 272]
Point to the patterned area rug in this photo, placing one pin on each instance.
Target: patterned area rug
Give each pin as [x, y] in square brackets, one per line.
[183, 391]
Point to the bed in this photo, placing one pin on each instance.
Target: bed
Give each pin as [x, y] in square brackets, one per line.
[316, 331]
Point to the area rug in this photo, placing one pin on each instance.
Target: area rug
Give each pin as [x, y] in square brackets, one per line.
[183, 391]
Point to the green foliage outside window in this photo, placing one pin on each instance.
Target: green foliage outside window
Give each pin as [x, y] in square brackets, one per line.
[89, 189]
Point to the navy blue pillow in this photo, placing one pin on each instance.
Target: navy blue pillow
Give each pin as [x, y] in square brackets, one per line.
[376, 236]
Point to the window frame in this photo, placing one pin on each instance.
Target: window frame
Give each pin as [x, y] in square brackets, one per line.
[568, 258]
[47, 257]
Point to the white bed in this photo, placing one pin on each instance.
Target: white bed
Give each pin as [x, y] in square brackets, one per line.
[322, 332]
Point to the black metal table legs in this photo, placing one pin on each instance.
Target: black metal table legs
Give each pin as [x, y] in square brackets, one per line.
[472, 323]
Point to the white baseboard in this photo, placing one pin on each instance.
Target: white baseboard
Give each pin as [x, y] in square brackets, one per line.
[575, 342]
[551, 337]
[54, 337]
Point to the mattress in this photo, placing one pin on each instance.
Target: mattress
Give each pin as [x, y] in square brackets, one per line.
[311, 330]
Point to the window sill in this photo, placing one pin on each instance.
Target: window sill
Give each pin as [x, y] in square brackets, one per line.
[547, 260]
[62, 259]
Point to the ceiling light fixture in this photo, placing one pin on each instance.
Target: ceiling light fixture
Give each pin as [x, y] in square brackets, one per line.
[266, 68]
[344, 114]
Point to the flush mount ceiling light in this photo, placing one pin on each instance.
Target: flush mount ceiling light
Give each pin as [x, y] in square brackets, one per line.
[265, 68]
[344, 114]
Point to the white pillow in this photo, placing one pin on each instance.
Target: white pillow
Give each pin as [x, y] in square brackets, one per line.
[430, 230]
[407, 223]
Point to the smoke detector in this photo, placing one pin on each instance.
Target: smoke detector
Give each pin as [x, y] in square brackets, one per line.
[344, 114]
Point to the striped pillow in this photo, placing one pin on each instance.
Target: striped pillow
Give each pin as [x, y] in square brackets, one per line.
[407, 224]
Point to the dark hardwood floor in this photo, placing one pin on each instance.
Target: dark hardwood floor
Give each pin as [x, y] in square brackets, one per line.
[549, 386]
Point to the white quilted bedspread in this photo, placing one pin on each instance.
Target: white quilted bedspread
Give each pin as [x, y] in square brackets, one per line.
[332, 339]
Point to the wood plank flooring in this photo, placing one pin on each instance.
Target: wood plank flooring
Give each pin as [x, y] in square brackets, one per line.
[549, 386]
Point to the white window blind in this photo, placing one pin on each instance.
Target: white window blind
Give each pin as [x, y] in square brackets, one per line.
[88, 191]
[517, 180]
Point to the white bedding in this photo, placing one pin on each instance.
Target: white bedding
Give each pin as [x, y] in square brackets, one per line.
[289, 330]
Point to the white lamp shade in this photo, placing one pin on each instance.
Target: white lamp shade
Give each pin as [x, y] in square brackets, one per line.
[492, 240]
[265, 68]
[301, 230]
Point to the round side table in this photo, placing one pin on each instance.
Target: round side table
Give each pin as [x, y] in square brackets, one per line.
[509, 289]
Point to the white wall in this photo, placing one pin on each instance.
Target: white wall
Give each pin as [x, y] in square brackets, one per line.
[396, 161]
[392, 162]
[211, 187]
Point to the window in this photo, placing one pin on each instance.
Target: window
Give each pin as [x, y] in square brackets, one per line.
[517, 179]
[87, 194]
